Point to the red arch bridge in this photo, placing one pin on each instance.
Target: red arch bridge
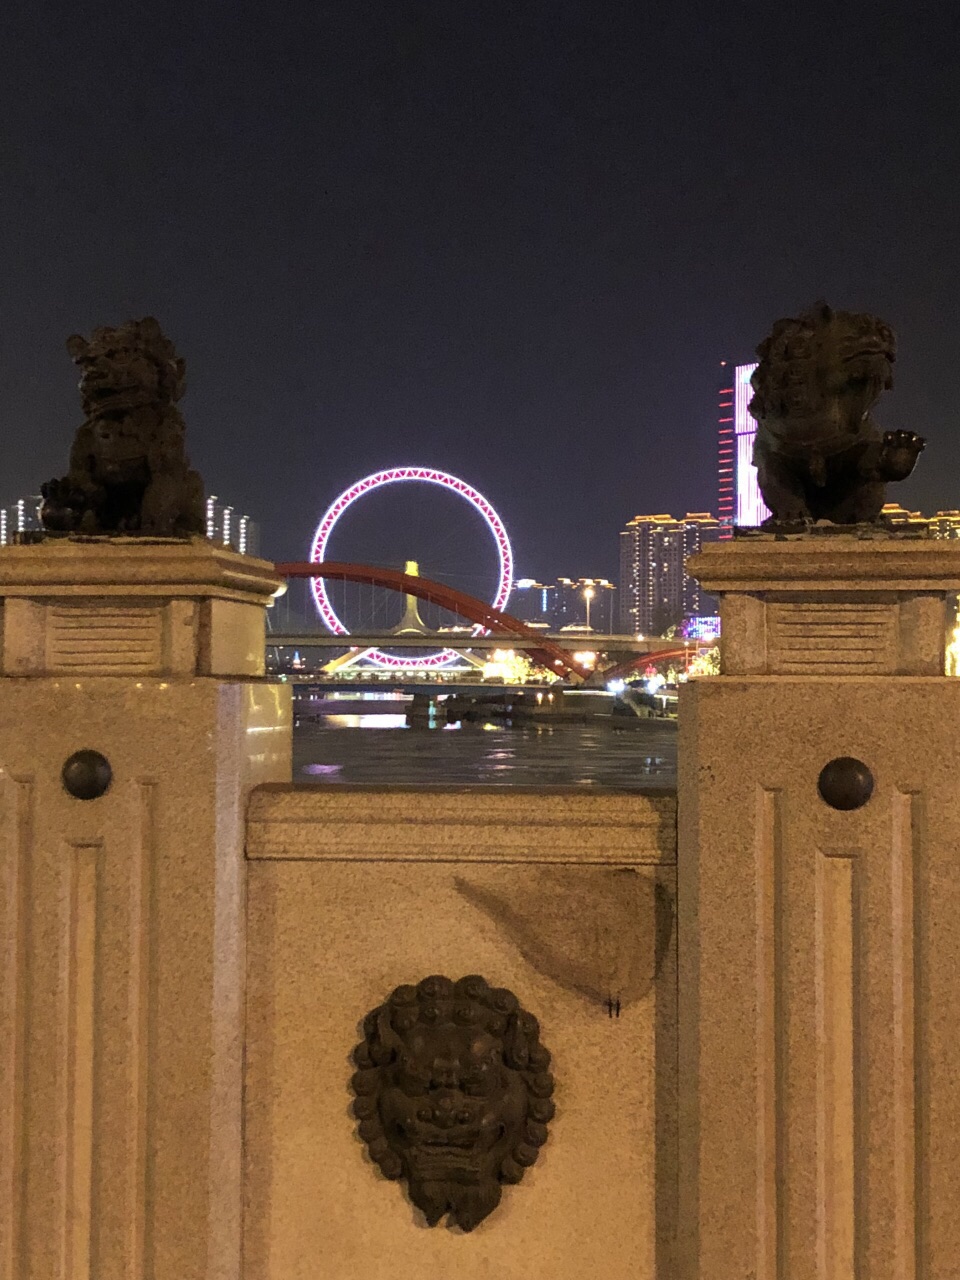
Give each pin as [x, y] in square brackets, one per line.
[540, 648]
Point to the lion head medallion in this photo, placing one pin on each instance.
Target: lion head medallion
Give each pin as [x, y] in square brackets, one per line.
[453, 1094]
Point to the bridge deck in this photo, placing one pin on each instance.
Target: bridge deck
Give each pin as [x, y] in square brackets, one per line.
[462, 640]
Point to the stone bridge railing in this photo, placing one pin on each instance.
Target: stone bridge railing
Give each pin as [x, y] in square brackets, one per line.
[751, 993]
[565, 897]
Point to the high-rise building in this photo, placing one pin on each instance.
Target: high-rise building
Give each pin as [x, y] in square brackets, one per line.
[726, 452]
[945, 524]
[223, 524]
[739, 499]
[20, 518]
[655, 590]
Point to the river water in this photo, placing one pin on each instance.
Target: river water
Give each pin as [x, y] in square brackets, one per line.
[383, 749]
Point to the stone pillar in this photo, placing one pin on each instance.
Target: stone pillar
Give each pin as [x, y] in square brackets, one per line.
[819, 946]
[122, 917]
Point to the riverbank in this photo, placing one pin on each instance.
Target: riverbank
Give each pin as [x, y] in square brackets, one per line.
[504, 706]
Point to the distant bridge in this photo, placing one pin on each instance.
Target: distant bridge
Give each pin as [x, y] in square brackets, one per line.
[541, 648]
[585, 640]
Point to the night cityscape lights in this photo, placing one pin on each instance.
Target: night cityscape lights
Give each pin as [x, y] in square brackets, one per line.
[739, 500]
[408, 475]
[222, 524]
[751, 510]
[655, 590]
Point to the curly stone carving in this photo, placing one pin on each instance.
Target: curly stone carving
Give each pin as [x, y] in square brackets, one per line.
[453, 1094]
[818, 453]
[129, 471]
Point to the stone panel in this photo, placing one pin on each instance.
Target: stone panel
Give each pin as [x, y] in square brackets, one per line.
[463, 825]
[344, 905]
[831, 604]
[132, 606]
[819, 980]
[846, 638]
[121, 979]
[117, 640]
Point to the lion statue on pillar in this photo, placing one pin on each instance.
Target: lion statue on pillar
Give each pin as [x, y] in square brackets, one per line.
[818, 453]
[129, 472]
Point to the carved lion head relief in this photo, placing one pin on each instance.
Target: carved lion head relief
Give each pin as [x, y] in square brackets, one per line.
[821, 372]
[453, 1094]
[126, 367]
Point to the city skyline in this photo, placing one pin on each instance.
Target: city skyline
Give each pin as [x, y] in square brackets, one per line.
[512, 242]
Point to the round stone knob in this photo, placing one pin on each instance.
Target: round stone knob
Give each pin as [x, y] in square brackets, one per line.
[845, 783]
[86, 775]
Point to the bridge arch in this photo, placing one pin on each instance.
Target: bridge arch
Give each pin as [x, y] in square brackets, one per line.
[546, 652]
[632, 665]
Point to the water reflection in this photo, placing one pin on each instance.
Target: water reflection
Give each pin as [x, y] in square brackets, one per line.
[328, 749]
[385, 721]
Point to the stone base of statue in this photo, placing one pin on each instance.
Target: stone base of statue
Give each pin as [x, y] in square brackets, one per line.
[818, 898]
[827, 529]
[134, 719]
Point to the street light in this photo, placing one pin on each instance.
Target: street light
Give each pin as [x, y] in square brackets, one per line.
[588, 595]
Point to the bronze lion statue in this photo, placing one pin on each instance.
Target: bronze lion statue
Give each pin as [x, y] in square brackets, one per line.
[818, 453]
[453, 1094]
[129, 471]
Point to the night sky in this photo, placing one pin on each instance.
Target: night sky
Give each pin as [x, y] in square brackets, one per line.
[512, 240]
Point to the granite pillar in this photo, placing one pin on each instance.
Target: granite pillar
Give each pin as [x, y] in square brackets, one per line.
[122, 917]
[819, 953]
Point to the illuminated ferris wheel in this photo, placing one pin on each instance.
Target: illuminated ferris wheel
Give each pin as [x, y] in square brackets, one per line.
[408, 476]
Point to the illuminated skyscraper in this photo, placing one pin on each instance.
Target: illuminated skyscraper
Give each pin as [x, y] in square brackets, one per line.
[739, 498]
[655, 589]
[726, 451]
[945, 524]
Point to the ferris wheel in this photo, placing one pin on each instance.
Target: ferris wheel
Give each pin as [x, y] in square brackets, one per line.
[408, 476]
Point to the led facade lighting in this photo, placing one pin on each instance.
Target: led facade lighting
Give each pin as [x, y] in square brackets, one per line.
[726, 498]
[408, 475]
[751, 510]
[739, 500]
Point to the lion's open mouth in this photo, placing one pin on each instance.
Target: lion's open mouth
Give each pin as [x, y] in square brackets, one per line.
[111, 389]
[450, 1144]
[867, 353]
